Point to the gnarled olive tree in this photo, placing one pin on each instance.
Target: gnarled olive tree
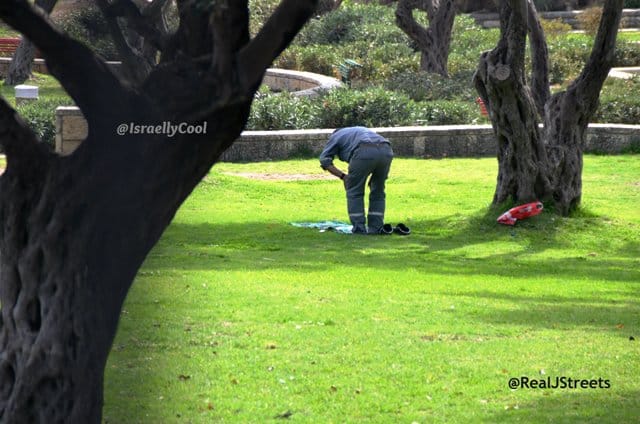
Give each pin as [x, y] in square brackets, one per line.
[433, 41]
[74, 230]
[545, 163]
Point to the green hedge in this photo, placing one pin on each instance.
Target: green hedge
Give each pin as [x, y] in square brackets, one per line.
[40, 115]
[423, 86]
[282, 111]
[619, 102]
[371, 107]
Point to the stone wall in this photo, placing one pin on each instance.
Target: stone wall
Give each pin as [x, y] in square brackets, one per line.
[418, 142]
[38, 66]
[71, 129]
[630, 18]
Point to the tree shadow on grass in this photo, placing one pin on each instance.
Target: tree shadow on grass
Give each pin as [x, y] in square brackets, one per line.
[620, 317]
[611, 405]
[454, 245]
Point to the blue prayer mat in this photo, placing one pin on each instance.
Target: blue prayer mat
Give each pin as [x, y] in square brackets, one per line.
[337, 226]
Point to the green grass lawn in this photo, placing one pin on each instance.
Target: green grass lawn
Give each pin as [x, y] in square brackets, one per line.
[48, 88]
[629, 36]
[238, 316]
[6, 32]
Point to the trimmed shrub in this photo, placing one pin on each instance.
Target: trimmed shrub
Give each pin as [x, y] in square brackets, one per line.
[41, 117]
[589, 19]
[373, 107]
[422, 86]
[317, 59]
[567, 57]
[555, 27]
[627, 54]
[335, 27]
[446, 112]
[619, 102]
[282, 111]
[351, 22]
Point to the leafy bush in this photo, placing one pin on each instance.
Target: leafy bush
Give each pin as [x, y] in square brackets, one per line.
[567, 57]
[41, 117]
[627, 54]
[351, 22]
[335, 27]
[422, 86]
[282, 111]
[446, 112]
[316, 59]
[589, 19]
[619, 102]
[469, 39]
[373, 107]
[631, 4]
[555, 27]
[88, 25]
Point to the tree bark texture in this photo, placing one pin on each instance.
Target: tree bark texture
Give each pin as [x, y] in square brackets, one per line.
[75, 229]
[22, 61]
[533, 163]
[433, 42]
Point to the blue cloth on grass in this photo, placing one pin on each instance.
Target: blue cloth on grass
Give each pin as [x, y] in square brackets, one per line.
[337, 226]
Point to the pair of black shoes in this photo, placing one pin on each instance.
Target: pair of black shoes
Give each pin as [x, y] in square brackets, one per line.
[401, 229]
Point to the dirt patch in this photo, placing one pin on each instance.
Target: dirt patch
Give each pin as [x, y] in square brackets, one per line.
[280, 177]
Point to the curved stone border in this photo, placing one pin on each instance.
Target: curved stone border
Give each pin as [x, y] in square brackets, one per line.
[299, 83]
[624, 73]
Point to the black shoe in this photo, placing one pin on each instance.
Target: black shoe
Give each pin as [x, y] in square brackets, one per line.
[386, 229]
[359, 230]
[402, 229]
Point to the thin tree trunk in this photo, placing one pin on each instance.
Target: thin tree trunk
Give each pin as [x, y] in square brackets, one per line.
[433, 42]
[540, 89]
[22, 62]
[568, 113]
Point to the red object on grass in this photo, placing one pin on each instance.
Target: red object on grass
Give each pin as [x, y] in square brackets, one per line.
[483, 107]
[520, 212]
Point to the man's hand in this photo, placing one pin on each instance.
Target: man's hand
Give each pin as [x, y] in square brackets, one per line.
[335, 171]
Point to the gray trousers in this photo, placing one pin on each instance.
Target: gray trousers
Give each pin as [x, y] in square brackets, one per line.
[373, 160]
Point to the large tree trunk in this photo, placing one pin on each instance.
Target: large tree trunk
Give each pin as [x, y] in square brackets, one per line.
[500, 80]
[535, 164]
[433, 42]
[75, 229]
[22, 62]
